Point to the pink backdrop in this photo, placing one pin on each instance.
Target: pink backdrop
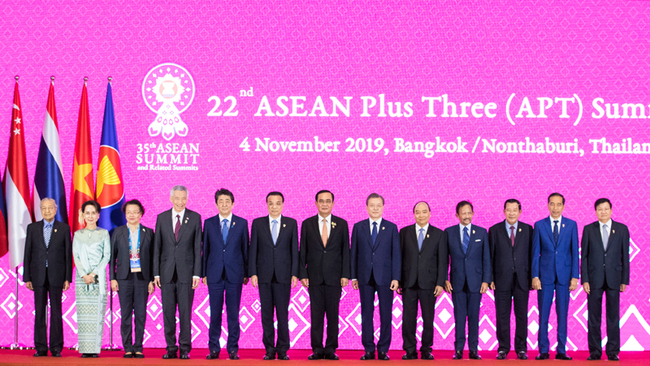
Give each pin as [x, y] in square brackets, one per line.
[473, 51]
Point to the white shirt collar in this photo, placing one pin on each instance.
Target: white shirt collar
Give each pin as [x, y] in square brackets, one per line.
[229, 218]
[174, 213]
[271, 220]
[608, 223]
[469, 229]
[378, 223]
[418, 227]
[328, 218]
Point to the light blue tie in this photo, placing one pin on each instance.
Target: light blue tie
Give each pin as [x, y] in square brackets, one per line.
[47, 234]
[224, 230]
[420, 239]
[465, 239]
[274, 231]
[605, 237]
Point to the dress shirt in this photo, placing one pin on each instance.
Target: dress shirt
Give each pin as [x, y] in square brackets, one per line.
[229, 218]
[174, 213]
[559, 224]
[469, 231]
[425, 227]
[371, 221]
[609, 228]
[329, 225]
[508, 227]
[271, 224]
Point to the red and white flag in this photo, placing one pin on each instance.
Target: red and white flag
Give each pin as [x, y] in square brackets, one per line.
[16, 185]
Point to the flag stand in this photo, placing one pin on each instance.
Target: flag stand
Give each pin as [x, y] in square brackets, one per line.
[15, 344]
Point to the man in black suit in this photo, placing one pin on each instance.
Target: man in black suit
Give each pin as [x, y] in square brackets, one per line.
[424, 272]
[605, 269]
[324, 270]
[510, 247]
[177, 269]
[273, 267]
[48, 271]
[131, 274]
[376, 268]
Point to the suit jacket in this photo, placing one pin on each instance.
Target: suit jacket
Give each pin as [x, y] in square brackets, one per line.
[508, 260]
[550, 260]
[231, 256]
[383, 259]
[474, 267]
[182, 255]
[426, 268]
[58, 255]
[324, 265]
[120, 265]
[266, 259]
[611, 266]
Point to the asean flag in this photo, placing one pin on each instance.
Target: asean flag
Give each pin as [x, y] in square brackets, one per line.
[110, 187]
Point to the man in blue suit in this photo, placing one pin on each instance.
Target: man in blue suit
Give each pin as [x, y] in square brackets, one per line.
[225, 260]
[554, 268]
[471, 272]
[376, 266]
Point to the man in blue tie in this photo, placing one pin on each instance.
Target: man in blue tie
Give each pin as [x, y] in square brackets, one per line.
[376, 264]
[554, 269]
[225, 260]
[470, 275]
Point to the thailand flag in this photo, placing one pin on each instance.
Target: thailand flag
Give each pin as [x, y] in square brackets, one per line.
[16, 184]
[48, 178]
[110, 189]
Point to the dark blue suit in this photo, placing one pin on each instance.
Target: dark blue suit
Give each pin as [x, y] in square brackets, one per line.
[555, 264]
[468, 271]
[225, 266]
[375, 266]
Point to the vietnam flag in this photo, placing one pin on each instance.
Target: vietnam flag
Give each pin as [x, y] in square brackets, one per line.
[16, 185]
[82, 170]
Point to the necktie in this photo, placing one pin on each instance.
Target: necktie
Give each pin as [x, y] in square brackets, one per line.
[512, 235]
[47, 234]
[274, 231]
[605, 236]
[224, 230]
[323, 235]
[177, 228]
[465, 239]
[420, 239]
[374, 232]
[556, 233]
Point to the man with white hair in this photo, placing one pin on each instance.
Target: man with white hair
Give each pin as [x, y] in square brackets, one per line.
[177, 269]
[48, 271]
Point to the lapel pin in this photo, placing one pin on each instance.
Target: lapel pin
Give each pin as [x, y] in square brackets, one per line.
[142, 229]
[562, 225]
[427, 235]
[54, 230]
[473, 231]
[284, 225]
[383, 228]
[233, 224]
[519, 229]
[333, 225]
[613, 231]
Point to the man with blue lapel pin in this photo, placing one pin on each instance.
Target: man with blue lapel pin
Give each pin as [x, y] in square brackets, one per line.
[376, 267]
[471, 272]
[554, 268]
[225, 261]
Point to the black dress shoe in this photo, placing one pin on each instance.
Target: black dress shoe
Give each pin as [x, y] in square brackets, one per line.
[56, 353]
[612, 357]
[368, 356]
[562, 356]
[41, 354]
[426, 356]
[233, 355]
[383, 356]
[89, 355]
[138, 355]
[542, 356]
[184, 356]
[502, 355]
[268, 357]
[593, 358]
[283, 357]
[522, 355]
[458, 355]
[315, 356]
[331, 356]
[212, 356]
[410, 356]
[473, 355]
[169, 355]
[128, 355]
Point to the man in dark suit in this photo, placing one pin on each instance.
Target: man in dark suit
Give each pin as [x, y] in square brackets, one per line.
[424, 272]
[376, 268]
[324, 270]
[273, 267]
[225, 261]
[177, 269]
[471, 272]
[510, 246]
[48, 271]
[131, 274]
[554, 269]
[605, 269]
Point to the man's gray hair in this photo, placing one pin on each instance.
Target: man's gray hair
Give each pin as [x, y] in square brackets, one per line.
[48, 199]
[179, 188]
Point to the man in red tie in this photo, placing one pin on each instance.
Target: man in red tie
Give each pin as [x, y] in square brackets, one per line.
[510, 246]
[324, 270]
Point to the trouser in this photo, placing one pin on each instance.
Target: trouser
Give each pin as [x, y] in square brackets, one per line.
[504, 296]
[133, 292]
[232, 292]
[367, 297]
[275, 295]
[40, 317]
[595, 306]
[410, 298]
[545, 300]
[324, 300]
[467, 306]
[178, 294]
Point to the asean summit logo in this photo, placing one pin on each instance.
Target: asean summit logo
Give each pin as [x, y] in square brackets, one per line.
[168, 90]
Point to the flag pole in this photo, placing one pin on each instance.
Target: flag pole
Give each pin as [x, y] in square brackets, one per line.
[112, 346]
[15, 345]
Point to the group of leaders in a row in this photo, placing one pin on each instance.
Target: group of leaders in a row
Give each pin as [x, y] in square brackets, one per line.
[419, 262]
